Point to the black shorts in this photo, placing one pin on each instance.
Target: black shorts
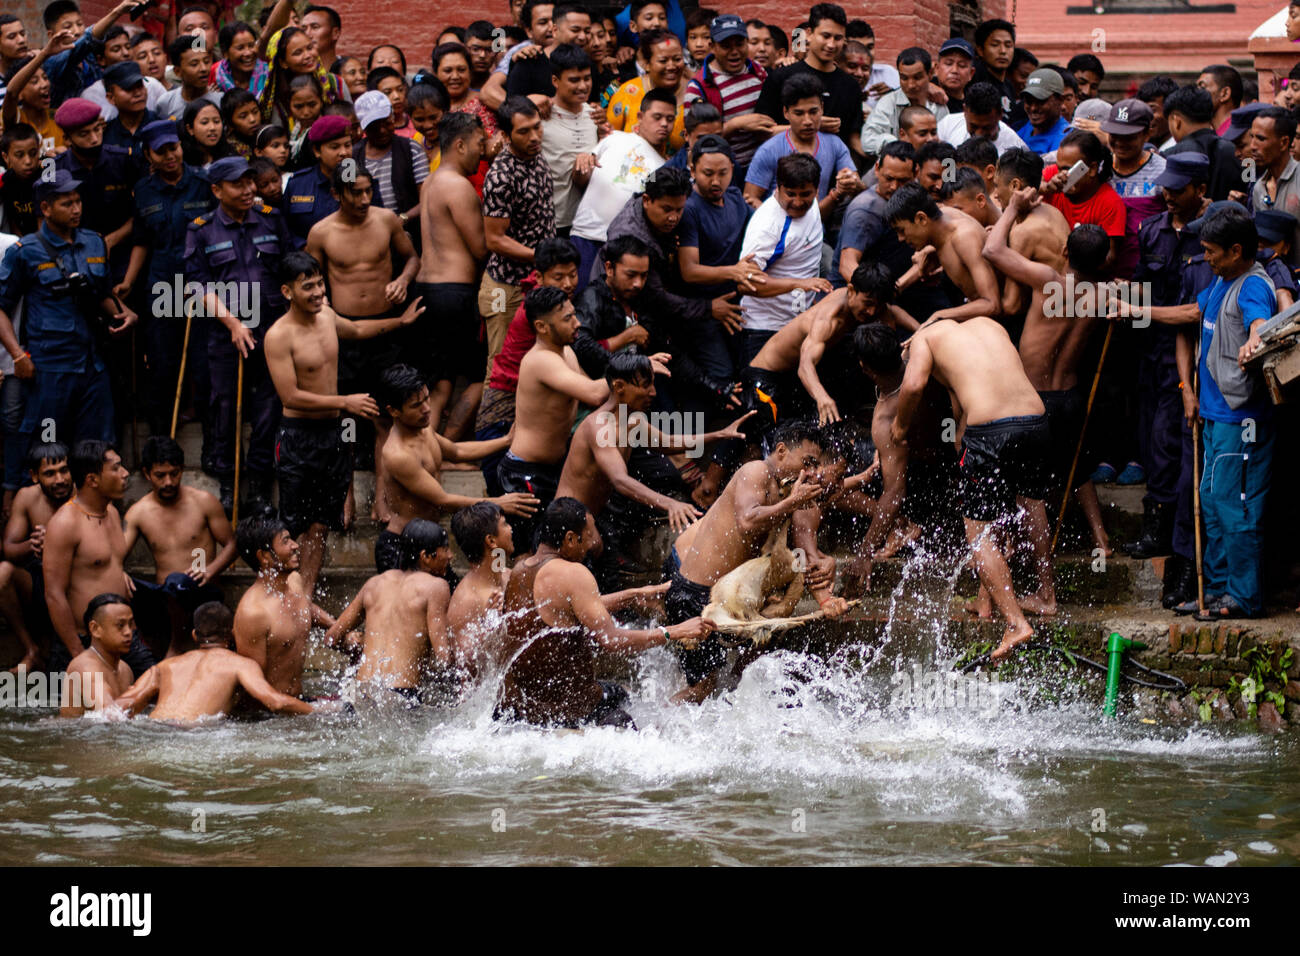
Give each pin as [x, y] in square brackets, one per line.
[388, 551]
[313, 465]
[450, 337]
[609, 712]
[1000, 461]
[362, 362]
[528, 477]
[1065, 413]
[931, 487]
[686, 600]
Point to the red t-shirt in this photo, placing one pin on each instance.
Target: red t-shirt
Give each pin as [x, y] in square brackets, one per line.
[520, 336]
[1103, 208]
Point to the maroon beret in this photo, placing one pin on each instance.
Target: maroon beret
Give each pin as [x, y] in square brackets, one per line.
[327, 128]
[76, 113]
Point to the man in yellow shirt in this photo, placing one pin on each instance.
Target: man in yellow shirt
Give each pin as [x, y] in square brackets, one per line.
[661, 52]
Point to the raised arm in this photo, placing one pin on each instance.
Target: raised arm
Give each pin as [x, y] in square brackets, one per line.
[554, 372]
[276, 22]
[997, 247]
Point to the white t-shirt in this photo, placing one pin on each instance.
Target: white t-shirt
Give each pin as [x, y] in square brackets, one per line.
[172, 104]
[952, 129]
[95, 93]
[881, 73]
[783, 248]
[626, 162]
[564, 136]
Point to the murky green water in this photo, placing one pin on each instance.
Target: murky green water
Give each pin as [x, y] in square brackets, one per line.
[802, 763]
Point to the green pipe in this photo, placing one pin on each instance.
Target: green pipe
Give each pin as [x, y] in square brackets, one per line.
[1116, 647]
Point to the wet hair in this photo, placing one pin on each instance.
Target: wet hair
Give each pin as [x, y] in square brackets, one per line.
[398, 383]
[213, 619]
[667, 181]
[256, 534]
[659, 94]
[977, 151]
[370, 57]
[874, 279]
[512, 107]
[569, 56]
[855, 440]
[17, 133]
[801, 86]
[561, 516]
[796, 170]
[711, 143]
[542, 301]
[420, 536]
[914, 54]
[1092, 149]
[877, 349]
[1192, 102]
[427, 90]
[988, 27]
[982, 99]
[1284, 120]
[554, 251]
[456, 126]
[1086, 61]
[1157, 88]
[909, 200]
[161, 450]
[898, 149]
[793, 433]
[1022, 164]
[827, 11]
[1087, 248]
[381, 73]
[226, 35]
[298, 265]
[87, 459]
[624, 245]
[471, 527]
[936, 149]
[963, 180]
[58, 8]
[699, 113]
[1225, 75]
[98, 602]
[1232, 226]
[629, 366]
[42, 452]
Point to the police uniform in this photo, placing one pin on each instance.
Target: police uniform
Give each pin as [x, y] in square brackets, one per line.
[71, 386]
[105, 190]
[163, 212]
[221, 249]
[307, 200]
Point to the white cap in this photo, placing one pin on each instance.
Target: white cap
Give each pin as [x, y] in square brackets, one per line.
[371, 106]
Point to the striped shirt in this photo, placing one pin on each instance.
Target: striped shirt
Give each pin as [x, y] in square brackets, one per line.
[738, 94]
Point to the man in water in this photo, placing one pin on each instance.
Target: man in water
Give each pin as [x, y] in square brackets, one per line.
[486, 540]
[735, 529]
[414, 455]
[205, 681]
[405, 613]
[276, 614]
[99, 675]
[1003, 428]
[558, 626]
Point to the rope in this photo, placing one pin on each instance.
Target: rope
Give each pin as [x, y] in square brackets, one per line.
[1171, 682]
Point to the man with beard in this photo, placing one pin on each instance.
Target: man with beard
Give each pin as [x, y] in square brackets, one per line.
[33, 506]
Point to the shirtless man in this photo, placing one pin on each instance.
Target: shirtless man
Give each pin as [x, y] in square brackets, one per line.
[30, 512]
[551, 383]
[798, 348]
[414, 456]
[1055, 337]
[313, 453]
[189, 535]
[98, 675]
[735, 529]
[1003, 430]
[204, 682]
[405, 612]
[451, 219]
[485, 538]
[1039, 233]
[967, 192]
[276, 614]
[356, 246]
[561, 625]
[955, 240]
[83, 552]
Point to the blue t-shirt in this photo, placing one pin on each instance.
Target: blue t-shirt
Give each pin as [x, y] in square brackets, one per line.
[1255, 302]
[831, 154]
[717, 231]
[1047, 142]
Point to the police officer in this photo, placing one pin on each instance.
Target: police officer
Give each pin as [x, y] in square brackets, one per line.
[1165, 246]
[124, 86]
[239, 244]
[60, 272]
[166, 202]
[1276, 231]
[308, 196]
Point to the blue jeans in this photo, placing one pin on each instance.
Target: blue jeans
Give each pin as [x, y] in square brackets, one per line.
[1234, 486]
[80, 405]
[588, 253]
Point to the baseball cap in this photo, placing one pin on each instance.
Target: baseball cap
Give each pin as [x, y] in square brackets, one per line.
[1273, 224]
[1128, 117]
[1093, 109]
[371, 107]
[62, 182]
[159, 133]
[126, 75]
[1043, 84]
[726, 25]
[229, 168]
[1184, 168]
[957, 45]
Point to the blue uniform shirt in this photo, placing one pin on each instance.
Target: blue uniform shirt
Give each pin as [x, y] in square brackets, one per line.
[56, 330]
[116, 134]
[219, 249]
[307, 200]
[105, 188]
[1163, 255]
[163, 213]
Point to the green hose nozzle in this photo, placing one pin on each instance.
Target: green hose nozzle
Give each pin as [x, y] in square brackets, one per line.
[1116, 647]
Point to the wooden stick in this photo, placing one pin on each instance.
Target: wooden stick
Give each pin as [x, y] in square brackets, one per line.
[185, 351]
[1196, 496]
[239, 435]
[1078, 449]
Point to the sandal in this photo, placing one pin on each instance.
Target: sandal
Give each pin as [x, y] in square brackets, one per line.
[1192, 606]
[1223, 608]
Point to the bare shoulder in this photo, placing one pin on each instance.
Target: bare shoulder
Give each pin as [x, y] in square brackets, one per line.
[62, 520]
[204, 501]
